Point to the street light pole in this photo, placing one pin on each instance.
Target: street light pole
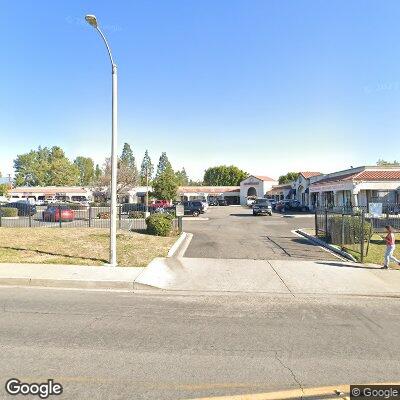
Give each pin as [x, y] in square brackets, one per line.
[92, 20]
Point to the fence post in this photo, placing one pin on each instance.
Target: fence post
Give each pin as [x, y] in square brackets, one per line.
[316, 223]
[362, 235]
[90, 216]
[180, 224]
[326, 225]
[59, 216]
[119, 215]
[0, 217]
[30, 216]
[342, 235]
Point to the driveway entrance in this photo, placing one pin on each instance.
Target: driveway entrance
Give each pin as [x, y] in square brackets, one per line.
[233, 232]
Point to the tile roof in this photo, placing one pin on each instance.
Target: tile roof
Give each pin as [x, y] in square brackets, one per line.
[309, 174]
[208, 189]
[382, 175]
[48, 189]
[263, 177]
[365, 175]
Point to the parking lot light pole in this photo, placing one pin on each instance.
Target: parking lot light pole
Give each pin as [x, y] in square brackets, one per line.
[92, 20]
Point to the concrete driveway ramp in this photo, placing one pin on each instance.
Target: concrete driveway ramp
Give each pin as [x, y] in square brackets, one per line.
[210, 274]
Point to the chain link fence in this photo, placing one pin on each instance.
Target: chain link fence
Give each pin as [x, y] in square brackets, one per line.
[62, 215]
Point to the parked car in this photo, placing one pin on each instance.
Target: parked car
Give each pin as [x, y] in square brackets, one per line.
[295, 205]
[262, 206]
[126, 208]
[25, 209]
[281, 205]
[273, 203]
[250, 201]
[57, 212]
[194, 208]
[222, 202]
[160, 204]
[212, 201]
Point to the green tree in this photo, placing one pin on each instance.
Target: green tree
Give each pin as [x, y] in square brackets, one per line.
[62, 172]
[182, 177]
[3, 189]
[384, 163]
[163, 163]
[45, 167]
[288, 178]
[146, 169]
[127, 164]
[165, 185]
[223, 175]
[86, 170]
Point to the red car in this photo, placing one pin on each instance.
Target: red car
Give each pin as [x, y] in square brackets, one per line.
[160, 204]
[55, 213]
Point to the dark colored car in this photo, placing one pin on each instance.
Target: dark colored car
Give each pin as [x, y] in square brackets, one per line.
[194, 208]
[212, 201]
[57, 212]
[222, 202]
[281, 205]
[126, 208]
[25, 209]
[295, 205]
[262, 207]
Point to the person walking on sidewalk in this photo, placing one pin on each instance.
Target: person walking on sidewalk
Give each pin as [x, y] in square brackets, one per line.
[390, 246]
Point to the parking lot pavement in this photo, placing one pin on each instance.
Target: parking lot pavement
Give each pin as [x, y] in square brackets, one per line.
[233, 232]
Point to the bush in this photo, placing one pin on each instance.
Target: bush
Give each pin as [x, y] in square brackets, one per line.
[159, 224]
[103, 215]
[136, 214]
[8, 212]
[352, 229]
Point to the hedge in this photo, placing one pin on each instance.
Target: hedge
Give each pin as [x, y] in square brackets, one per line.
[136, 214]
[352, 229]
[159, 224]
[8, 212]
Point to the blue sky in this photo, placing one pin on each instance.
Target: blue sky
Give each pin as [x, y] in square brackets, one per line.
[269, 86]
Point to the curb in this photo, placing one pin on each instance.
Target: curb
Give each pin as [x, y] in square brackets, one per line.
[331, 248]
[177, 244]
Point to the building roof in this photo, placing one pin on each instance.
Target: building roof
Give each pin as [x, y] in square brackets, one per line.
[49, 189]
[277, 189]
[367, 174]
[208, 189]
[263, 177]
[309, 174]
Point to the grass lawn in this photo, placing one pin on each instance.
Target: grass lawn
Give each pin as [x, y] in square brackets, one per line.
[376, 250]
[87, 246]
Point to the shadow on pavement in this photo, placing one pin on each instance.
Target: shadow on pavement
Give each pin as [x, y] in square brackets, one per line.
[333, 264]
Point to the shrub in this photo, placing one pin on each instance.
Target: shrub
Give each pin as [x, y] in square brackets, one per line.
[8, 212]
[103, 215]
[352, 229]
[159, 224]
[136, 214]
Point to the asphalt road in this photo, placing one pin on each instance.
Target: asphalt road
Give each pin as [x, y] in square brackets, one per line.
[108, 345]
[233, 232]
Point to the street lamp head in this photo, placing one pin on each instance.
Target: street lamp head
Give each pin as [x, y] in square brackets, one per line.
[91, 20]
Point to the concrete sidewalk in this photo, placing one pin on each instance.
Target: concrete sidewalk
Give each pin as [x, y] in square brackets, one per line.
[291, 277]
[275, 276]
[69, 276]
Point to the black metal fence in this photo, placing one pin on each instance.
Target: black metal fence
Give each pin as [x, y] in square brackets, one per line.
[129, 216]
[351, 228]
[346, 228]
